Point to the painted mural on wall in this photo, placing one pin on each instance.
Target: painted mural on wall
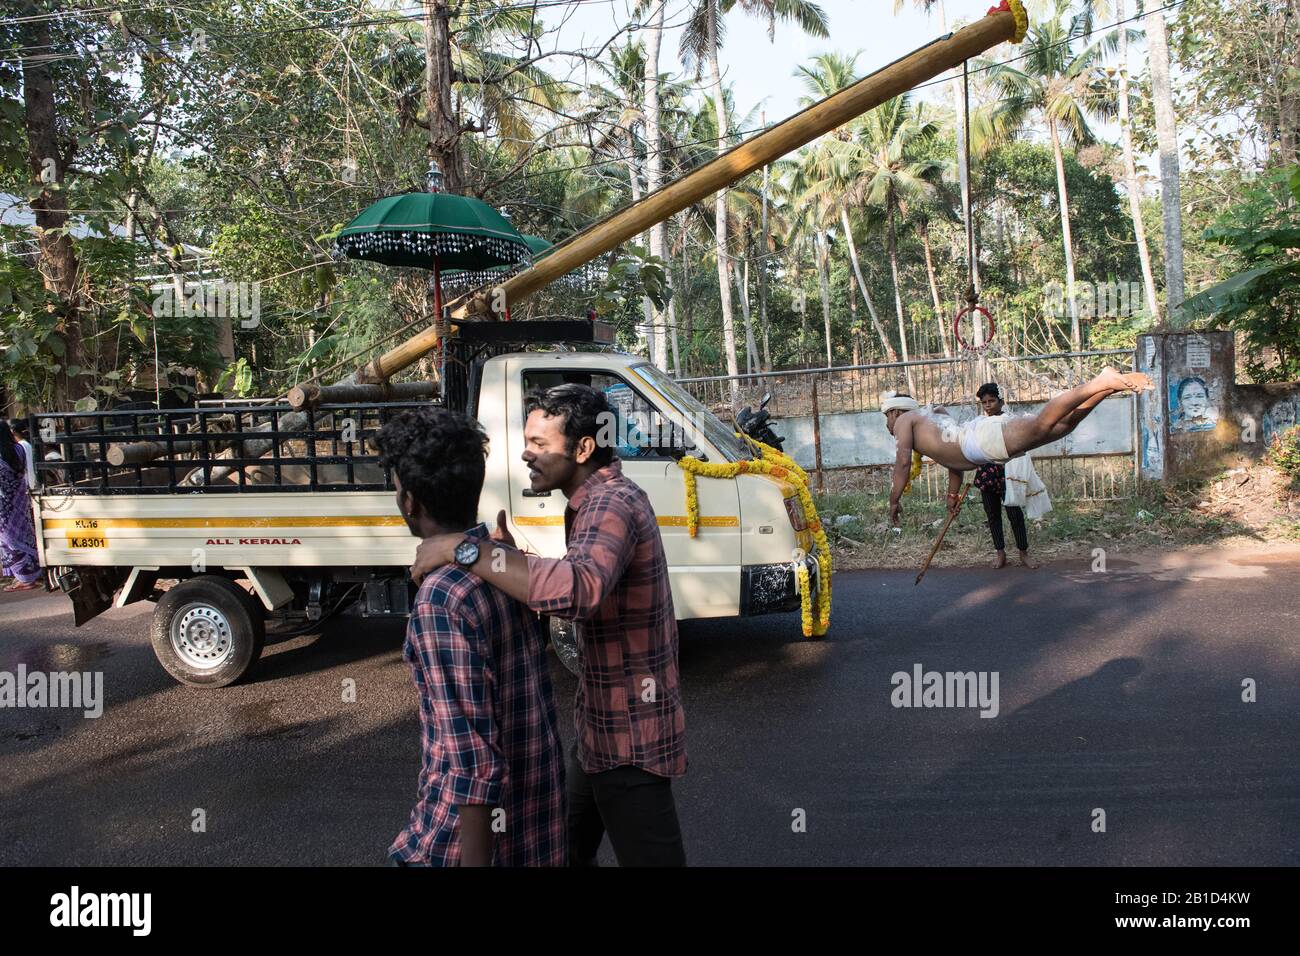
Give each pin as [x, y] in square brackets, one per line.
[1279, 418]
[1194, 404]
[1150, 421]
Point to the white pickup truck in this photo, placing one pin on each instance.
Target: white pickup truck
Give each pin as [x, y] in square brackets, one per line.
[312, 527]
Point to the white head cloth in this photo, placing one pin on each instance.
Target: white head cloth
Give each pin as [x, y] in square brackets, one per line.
[890, 401]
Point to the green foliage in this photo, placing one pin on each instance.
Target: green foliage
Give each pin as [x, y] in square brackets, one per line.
[238, 377]
[1284, 453]
[1262, 232]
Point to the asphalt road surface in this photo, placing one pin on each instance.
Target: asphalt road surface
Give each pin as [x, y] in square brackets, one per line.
[1119, 692]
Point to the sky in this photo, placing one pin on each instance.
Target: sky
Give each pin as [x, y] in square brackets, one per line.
[761, 73]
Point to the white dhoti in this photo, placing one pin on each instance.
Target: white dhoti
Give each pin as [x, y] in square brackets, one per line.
[1025, 489]
[982, 441]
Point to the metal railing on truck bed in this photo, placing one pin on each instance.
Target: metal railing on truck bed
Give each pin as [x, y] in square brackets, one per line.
[151, 451]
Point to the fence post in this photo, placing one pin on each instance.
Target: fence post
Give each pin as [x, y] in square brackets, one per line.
[817, 438]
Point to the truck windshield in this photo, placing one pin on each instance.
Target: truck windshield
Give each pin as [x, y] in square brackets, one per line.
[721, 436]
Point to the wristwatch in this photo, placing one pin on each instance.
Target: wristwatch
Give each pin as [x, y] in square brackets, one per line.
[466, 553]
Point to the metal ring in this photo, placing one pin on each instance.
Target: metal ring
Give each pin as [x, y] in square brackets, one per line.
[956, 328]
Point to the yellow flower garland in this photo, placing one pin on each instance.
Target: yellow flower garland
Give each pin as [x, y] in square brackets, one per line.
[916, 470]
[1022, 19]
[783, 467]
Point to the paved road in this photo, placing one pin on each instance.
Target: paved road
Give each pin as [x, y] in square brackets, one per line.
[1119, 690]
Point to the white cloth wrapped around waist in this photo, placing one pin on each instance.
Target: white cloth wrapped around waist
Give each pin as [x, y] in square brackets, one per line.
[1025, 489]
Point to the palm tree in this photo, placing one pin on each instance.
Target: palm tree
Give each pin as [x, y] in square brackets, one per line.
[1059, 78]
[616, 111]
[829, 73]
[654, 175]
[701, 40]
[1130, 165]
[1092, 9]
[895, 167]
[815, 203]
[1167, 142]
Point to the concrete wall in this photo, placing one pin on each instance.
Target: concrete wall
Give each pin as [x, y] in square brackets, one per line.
[1265, 410]
[857, 439]
[1199, 419]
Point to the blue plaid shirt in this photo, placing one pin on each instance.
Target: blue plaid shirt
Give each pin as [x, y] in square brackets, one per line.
[487, 721]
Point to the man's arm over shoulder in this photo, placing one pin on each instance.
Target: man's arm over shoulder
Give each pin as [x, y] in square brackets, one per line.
[601, 542]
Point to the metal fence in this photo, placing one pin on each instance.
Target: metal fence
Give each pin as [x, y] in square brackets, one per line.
[946, 381]
[949, 381]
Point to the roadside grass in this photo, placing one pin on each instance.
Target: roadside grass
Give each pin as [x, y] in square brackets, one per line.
[1156, 518]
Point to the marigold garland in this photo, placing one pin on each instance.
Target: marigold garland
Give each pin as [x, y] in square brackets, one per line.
[1017, 10]
[781, 466]
[916, 470]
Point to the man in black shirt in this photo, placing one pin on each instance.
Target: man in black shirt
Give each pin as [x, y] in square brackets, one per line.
[990, 479]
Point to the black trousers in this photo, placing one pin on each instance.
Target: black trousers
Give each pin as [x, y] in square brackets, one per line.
[993, 510]
[635, 807]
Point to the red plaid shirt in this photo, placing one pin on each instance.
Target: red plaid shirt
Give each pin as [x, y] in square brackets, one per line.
[614, 582]
[488, 729]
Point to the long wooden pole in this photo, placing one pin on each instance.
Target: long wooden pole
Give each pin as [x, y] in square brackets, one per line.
[897, 78]
[961, 500]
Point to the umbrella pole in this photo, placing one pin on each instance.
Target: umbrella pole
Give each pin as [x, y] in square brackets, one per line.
[437, 322]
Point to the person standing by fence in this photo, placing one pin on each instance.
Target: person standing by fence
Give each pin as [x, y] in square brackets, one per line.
[990, 479]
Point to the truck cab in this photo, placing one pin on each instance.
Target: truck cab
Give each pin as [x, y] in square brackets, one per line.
[311, 528]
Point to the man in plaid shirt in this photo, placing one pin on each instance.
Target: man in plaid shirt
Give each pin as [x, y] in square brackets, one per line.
[613, 581]
[491, 785]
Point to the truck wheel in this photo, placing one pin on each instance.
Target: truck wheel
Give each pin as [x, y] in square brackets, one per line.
[564, 638]
[206, 632]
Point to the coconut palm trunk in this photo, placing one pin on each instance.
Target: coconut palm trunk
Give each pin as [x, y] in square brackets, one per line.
[1063, 197]
[647, 307]
[866, 296]
[923, 230]
[1167, 142]
[824, 282]
[720, 207]
[1130, 168]
[741, 273]
[893, 271]
[654, 175]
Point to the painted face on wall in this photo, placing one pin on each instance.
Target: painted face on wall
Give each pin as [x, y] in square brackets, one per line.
[1196, 400]
[1192, 406]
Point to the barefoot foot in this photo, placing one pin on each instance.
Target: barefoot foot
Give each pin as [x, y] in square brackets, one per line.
[1025, 561]
[1138, 382]
[1000, 561]
[1110, 378]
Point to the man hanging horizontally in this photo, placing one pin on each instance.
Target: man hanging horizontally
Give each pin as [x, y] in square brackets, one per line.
[963, 446]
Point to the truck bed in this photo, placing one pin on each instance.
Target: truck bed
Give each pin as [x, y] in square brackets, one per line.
[250, 529]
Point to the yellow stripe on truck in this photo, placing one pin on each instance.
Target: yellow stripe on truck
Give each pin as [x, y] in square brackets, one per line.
[291, 521]
[71, 525]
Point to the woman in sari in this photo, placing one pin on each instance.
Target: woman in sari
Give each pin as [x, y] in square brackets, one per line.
[18, 556]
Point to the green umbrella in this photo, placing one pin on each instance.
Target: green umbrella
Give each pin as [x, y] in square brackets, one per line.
[433, 230]
[473, 278]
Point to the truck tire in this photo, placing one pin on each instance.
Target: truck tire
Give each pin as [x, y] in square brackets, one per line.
[564, 639]
[207, 631]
